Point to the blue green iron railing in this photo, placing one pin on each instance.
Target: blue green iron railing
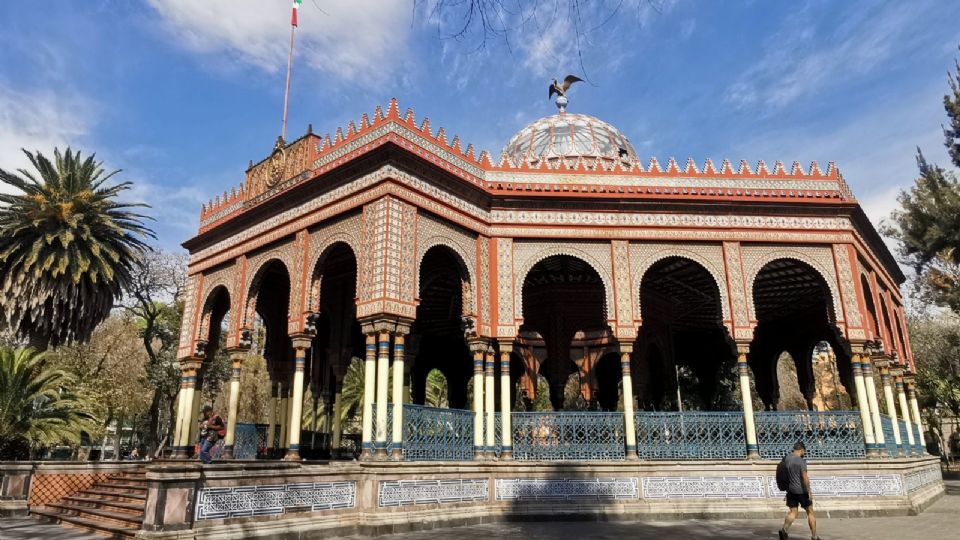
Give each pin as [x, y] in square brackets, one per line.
[388, 445]
[569, 436]
[826, 434]
[889, 442]
[435, 434]
[246, 442]
[690, 435]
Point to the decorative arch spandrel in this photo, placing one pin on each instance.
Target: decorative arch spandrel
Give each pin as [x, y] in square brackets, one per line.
[190, 293]
[596, 254]
[346, 231]
[820, 258]
[256, 264]
[709, 256]
[432, 233]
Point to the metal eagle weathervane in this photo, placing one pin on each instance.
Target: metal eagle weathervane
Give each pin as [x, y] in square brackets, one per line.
[561, 90]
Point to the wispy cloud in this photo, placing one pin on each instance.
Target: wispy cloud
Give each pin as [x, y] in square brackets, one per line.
[805, 55]
[39, 120]
[356, 41]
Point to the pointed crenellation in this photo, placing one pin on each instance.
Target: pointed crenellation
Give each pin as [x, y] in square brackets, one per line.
[654, 166]
[744, 168]
[762, 169]
[351, 129]
[425, 127]
[832, 171]
[393, 111]
[815, 169]
[672, 167]
[339, 136]
[455, 143]
[691, 167]
[378, 114]
[364, 121]
[485, 159]
[470, 153]
[708, 167]
[778, 169]
[797, 169]
[409, 117]
[442, 136]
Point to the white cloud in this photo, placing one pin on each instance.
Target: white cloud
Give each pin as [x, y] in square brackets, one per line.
[800, 59]
[352, 40]
[39, 120]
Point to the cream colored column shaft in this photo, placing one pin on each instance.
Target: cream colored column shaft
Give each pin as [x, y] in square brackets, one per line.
[194, 417]
[383, 386]
[629, 420]
[915, 410]
[506, 433]
[891, 408]
[396, 442]
[905, 413]
[233, 405]
[272, 415]
[188, 419]
[488, 395]
[871, 387]
[478, 434]
[863, 405]
[749, 420]
[369, 386]
[300, 348]
[337, 429]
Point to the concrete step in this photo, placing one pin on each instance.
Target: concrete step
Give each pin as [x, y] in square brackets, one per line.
[114, 496]
[124, 489]
[94, 501]
[103, 528]
[114, 517]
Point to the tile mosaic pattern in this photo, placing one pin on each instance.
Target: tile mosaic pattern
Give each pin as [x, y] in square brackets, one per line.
[703, 487]
[567, 489]
[412, 492]
[229, 502]
[876, 485]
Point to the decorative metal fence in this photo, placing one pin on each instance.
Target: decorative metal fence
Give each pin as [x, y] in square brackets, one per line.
[690, 435]
[434, 434]
[246, 443]
[826, 434]
[888, 440]
[373, 416]
[568, 436]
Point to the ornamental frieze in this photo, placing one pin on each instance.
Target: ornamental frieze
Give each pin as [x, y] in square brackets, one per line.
[285, 162]
[432, 233]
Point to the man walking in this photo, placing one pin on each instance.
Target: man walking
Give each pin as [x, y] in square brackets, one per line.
[798, 492]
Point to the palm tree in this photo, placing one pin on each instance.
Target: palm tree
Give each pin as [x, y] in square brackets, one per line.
[37, 408]
[67, 248]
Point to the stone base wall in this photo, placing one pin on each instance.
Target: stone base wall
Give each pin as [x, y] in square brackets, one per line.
[282, 500]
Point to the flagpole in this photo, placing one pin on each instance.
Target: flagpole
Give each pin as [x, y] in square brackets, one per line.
[286, 93]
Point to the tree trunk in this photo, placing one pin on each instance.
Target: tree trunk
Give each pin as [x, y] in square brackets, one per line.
[153, 425]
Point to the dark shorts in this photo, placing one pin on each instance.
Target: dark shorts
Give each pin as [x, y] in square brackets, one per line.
[799, 499]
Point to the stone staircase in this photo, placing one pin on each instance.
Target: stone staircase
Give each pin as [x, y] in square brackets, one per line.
[113, 508]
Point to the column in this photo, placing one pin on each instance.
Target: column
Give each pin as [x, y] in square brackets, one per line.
[396, 442]
[915, 410]
[337, 428]
[284, 413]
[188, 381]
[383, 380]
[488, 395]
[236, 358]
[905, 414]
[301, 343]
[749, 422]
[369, 384]
[629, 419]
[871, 387]
[506, 433]
[272, 416]
[863, 405]
[193, 415]
[478, 434]
[891, 406]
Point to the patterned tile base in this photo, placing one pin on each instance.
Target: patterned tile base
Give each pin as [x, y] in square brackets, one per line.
[703, 487]
[408, 492]
[915, 480]
[879, 485]
[220, 503]
[567, 489]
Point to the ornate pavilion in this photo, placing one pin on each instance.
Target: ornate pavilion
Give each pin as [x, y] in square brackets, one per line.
[566, 255]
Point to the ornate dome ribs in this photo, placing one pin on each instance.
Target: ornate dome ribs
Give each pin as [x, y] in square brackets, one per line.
[568, 136]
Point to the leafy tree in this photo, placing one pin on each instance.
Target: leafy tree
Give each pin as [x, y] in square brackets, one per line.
[109, 370]
[67, 247]
[935, 340]
[38, 407]
[436, 393]
[927, 224]
[155, 298]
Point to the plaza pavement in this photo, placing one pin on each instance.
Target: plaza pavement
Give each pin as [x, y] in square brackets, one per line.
[939, 521]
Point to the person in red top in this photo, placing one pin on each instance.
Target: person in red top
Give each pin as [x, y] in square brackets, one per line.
[212, 428]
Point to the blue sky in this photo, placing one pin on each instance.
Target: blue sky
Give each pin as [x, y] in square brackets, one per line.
[181, 94]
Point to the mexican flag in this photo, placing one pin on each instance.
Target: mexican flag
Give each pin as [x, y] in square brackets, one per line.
[293, 15]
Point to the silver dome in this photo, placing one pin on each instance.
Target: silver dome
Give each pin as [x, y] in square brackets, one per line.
[568, 135]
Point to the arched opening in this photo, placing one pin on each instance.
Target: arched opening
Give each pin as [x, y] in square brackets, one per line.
[270, 294]
[830, 394]
[438, 332]
[682, 314]
[562, 295]
[873, 320]
[337, 341]
[795, 312]
[887, 324]
[609, 379]
[436, 390]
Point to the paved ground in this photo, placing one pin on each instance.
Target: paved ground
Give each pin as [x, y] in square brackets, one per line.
[941, 520]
